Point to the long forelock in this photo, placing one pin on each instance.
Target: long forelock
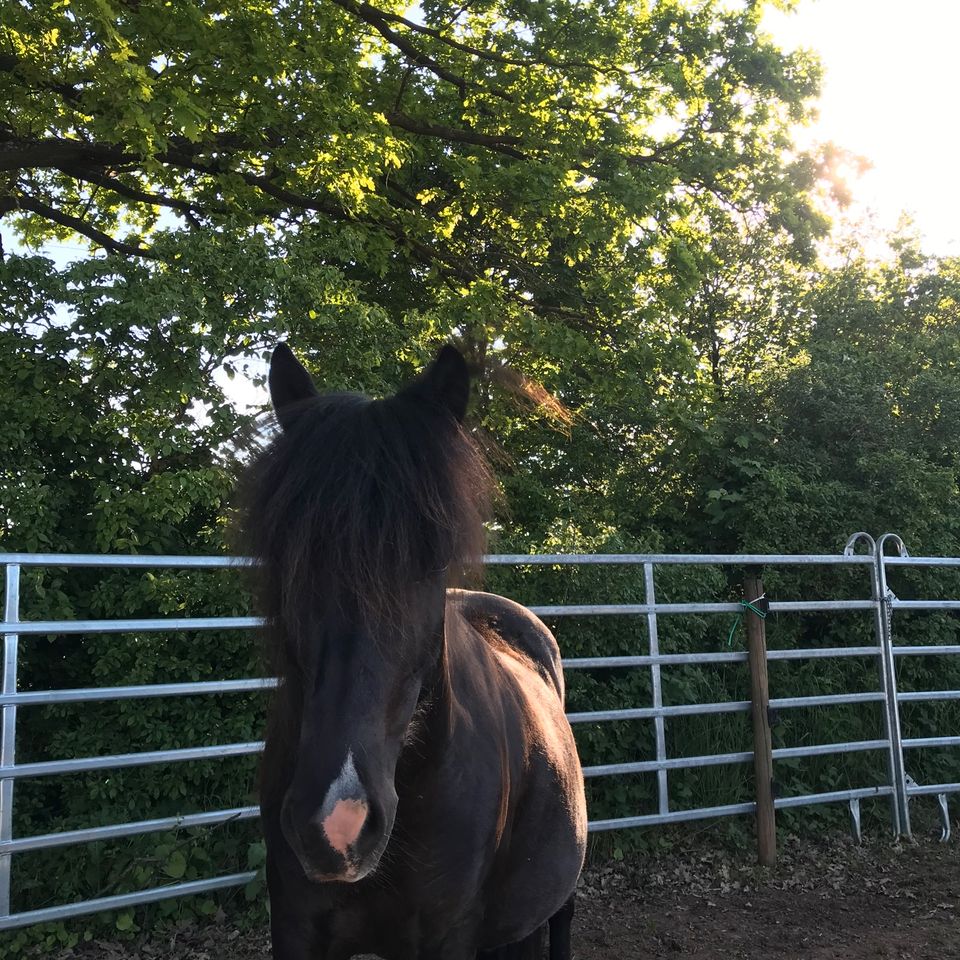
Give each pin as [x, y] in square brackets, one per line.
[357, 500]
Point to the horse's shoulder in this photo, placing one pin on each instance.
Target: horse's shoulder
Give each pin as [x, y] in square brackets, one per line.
[503, 621]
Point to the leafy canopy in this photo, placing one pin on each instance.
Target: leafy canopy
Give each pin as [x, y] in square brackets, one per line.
[545, 155]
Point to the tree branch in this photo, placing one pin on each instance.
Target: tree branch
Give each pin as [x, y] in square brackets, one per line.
[10, 62]
[26, 202]
[500, 144]
[375, 19]
[131, 193]
[58, 154]
[490, 55]
[19, 154]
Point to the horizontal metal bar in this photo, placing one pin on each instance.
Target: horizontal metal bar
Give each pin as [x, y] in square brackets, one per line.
[826, 749]
[664, 659]
[666, 609]
[159, 624]
[676, 763]
[554, 559]
[826, 700]
[922, 695]
[87, 764]
[933, 789]
[921, 561]
[695, 659]
[720, 759]
[193, 753]
[154, 625]
[731, 706]
[666, 559]
[121, 902]
[926, 651]
[733, 809]
[647, 713]
[819, 606]
[818, 653]
[925, 604]
[113, 831]
[631, 609]
[112, 560]
[676, 816]
[87, 694]
[932, 742]
[84, 764]
[93, 694]
[810, 799]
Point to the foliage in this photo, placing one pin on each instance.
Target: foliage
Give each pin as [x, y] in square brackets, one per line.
[549, 188]
[532, 181]
[114, 443]
[856, 430]
[541, 127]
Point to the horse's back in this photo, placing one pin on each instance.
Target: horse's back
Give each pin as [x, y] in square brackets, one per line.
[500, 620]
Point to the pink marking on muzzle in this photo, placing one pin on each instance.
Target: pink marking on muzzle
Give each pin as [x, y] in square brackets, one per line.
[343, 824]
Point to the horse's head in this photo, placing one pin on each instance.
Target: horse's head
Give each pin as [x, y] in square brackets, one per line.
[361, 509]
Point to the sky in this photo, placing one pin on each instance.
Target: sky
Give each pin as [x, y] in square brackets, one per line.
[890, 94]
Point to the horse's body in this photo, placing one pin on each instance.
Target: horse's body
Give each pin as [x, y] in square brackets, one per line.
[421, 800]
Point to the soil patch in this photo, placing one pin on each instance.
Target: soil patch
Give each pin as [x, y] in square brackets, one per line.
[821, 902]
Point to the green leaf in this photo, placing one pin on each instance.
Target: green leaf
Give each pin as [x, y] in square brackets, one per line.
[256, 855]
[175, 865]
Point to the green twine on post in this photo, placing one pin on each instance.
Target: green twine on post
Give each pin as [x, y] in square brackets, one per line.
[747, 605]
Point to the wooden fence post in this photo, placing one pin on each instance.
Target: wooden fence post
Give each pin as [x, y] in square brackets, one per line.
[760, 717]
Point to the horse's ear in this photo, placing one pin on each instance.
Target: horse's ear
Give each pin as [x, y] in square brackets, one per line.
[290, 385]
[446, 382]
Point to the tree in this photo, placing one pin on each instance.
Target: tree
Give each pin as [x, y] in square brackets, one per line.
[536, 157]
[543, 183]
[856, 430]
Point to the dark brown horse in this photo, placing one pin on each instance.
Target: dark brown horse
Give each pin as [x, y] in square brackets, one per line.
[421, 792]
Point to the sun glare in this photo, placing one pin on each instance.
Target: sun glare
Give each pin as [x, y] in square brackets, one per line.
[891, 73]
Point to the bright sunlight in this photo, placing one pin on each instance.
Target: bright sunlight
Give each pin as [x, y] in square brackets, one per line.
[890, 76]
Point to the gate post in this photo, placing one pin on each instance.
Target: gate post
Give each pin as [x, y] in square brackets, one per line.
[659, 727]
[899, 814]
[760, 720]
[8, 726]
[898, 771]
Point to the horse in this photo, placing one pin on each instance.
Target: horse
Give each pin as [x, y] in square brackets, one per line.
[421, 795]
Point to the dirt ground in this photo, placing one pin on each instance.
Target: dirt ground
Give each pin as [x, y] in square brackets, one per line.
[821, 902]
[838, 901]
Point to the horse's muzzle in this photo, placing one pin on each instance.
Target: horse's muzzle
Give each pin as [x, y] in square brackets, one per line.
[342, 839]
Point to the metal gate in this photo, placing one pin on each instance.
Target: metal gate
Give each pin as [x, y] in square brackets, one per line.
[878, 602]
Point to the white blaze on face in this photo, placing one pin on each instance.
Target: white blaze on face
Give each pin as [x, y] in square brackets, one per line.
[345, 808]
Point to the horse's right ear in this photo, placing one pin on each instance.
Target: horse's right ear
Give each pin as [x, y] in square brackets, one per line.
[290, 385]
[446, 382]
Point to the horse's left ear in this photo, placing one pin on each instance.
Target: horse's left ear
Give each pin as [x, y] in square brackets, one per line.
[446, 382]
[290, 385]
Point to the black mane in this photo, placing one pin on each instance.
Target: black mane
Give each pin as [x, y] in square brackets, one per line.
[356, 499]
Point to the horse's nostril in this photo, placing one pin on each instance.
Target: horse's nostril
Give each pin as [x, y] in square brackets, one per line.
[375, 833]
[374, 822]
[287, 824]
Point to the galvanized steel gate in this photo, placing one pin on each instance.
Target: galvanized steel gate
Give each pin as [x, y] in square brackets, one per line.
[880, 604]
